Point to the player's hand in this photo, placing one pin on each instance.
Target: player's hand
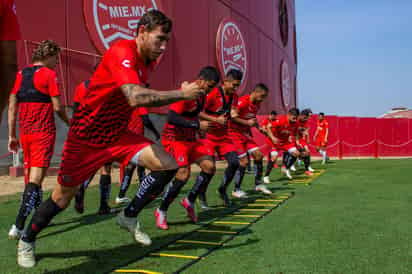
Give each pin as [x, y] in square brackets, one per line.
[221, 119]
[13, 144]
[204, 125]
[252, 122]
[275, 140]
[191, 90]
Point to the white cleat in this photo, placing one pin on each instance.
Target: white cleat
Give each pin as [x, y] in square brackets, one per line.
[266, 180]
[239, 194]
[311, 169]
[263, 189]
[287, 174]
[124, 200]
[15, 233]
[293, 168]
[133, 226]
[25, 254]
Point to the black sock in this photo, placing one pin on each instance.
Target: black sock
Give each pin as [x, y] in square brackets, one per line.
[171, 193]
[127, 179]
[240, 173]
[269, 168]
[233, 164]
[41, 218]
[259, 172]
[290, 160]
[141, 172]
[105, 185]
[30, 199]
[285, 158]
[200, 186]
[152, 185]
[306, 161]
[79, 197]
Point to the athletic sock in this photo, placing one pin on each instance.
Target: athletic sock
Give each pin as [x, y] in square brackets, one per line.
[171, 193]
[127, 178]
[291, 159]
[200, 186]
[269, 168]
[105, 185]
[240, 173]
[141, 172]
[230, 171]
[152, 185]
[30, 199]
[306, 161]
[259, 172]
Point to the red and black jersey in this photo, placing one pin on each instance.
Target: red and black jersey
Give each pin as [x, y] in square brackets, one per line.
[34, 87]
[104, 113]
[189, 110]
[136, 122]
[246, 110]
[217, 104]
[80, 93]
[283, 129]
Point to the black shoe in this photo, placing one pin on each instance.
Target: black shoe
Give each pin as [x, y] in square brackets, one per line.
[79, 203]
[223, 195]
[104, 210]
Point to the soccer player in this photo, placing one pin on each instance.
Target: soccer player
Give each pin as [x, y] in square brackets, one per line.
[179, 138]
[321, 136]
[98, 132]
[217, 111]
[282, 132]
[35, 96]
[273, 152]
[243, 119]
[9, 34]
[302, 140]
[140, 120]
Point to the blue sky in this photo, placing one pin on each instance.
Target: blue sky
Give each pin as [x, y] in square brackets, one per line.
[355, 57]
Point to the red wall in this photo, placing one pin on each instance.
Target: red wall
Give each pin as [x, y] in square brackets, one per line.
[362, 137]
[193, 44]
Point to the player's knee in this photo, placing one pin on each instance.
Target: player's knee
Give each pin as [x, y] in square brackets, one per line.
[208, 167]
[62, 195]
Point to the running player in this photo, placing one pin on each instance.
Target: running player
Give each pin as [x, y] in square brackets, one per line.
[218, 106]
[98, 131]
[243, 119]
[273, 152]
[179, 138]
[302, 141]
[34, 97]
[9, 34]
[282, 132]
[321, 136]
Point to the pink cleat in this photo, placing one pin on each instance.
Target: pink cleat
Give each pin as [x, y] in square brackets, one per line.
[190, 210]
[309, 173]
[161, 219]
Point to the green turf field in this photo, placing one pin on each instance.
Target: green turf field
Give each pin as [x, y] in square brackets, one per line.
[354, 218]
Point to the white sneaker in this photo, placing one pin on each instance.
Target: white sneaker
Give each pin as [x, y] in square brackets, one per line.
[124, 200]
[263, 189]
[239, 194]
[266, 180]
[293, 168]
[287, 174]
[25, 254]
[133, 226]
[15, 233]
[311, 169]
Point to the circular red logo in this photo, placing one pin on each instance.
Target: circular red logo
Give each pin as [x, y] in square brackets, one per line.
[112, 20]
[286, 85]
[231, 49]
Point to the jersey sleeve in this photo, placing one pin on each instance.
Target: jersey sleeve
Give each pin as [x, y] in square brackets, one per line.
[142, 111]
[241, 105]
[178, 107]
[17, 83]
[326, 125]
[235, 101]
[121, 62]
[209, 100]
[52, 84]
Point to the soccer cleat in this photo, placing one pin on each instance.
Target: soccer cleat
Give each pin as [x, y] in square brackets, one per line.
[266, 180]
[223, 195]
[287, 173]
[309, 173]
[203, 205]
[293, 168]
[190, 209]
[15, 233]
[239, 194]
[25, 254]
[79, 203]
[123, 200]
[161, 219]
[311, 169]
[133, 226]
[262, 188]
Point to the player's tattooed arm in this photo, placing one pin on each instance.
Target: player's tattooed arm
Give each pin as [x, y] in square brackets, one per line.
[139, 96]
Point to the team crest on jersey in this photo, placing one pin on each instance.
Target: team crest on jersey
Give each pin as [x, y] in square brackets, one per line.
[231, 49]
[286, 85]
[112, 20]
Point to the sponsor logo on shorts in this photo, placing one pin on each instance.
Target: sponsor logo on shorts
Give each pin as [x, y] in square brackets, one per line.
[112, 20]
[231, 49]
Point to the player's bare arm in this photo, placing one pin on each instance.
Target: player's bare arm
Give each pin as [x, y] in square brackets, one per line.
[270, 134]
[220, 119]
[12, 118]
[139, 96]
[60, 110]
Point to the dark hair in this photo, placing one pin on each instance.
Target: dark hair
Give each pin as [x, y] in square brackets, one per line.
[306, 112]
[45, 49]
[261, 86]
[153, 18]
[209, 73]
[322, 114]
[273, 112]
[234, 74]
[294, 111]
